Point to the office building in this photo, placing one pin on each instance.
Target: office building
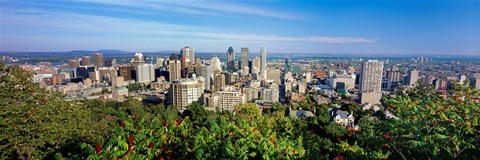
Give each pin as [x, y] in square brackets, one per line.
[188, 53]
[263, 57]
[245, 57]
[174, 69]
[86, 60]
[371, 82]
[73, 63]
[231, 59]
[127, 72]
[412, 77]
[288, 65]
[145, 72]
[219, 82]
[98, 60]
[227, 99]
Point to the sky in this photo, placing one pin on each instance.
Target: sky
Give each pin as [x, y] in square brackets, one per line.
[389, 27]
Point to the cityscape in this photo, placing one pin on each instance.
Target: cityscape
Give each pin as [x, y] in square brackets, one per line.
[234, 98]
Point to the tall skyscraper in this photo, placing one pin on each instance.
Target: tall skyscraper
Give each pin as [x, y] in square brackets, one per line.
[186, 91]
[245, 57]
[188, 53]
[86, 60]
[145, 72]
[263, 58]
[174, 66]
[231, 59]
[288, 65]
[98, 60]
[371, 82]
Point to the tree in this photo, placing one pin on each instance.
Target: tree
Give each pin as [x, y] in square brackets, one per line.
[34, 122]
[430, 126]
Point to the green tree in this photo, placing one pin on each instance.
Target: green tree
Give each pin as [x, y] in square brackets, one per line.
[36, 123]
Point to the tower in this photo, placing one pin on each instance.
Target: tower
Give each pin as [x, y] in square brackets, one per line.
[231, 59]
[245, 56]
[263, 58]
[174, 67]
[371, 82]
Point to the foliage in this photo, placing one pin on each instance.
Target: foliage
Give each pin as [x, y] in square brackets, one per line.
[36, 123]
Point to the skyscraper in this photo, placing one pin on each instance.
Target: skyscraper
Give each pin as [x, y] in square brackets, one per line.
[98, 60]
[73, 63]
[145, 72]
[412, 77]
[231, 59]
[288, 65]
[245, 56]
[371, 82]
[126, 72]
[219, 82]
[86, 60]
[188, 53]
[174, 66]
[263, 58]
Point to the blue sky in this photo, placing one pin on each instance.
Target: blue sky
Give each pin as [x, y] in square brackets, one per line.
[422, 27]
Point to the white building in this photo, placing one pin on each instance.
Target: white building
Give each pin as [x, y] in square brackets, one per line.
[145, 72]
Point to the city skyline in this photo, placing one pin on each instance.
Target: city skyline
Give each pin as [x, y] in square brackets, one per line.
[393, 27]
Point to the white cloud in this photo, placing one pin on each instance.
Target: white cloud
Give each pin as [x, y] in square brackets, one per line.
[40, 25]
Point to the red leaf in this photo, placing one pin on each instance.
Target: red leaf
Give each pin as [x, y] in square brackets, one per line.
[98, 148]
[165, 122]
[130, 139]
[386, 135]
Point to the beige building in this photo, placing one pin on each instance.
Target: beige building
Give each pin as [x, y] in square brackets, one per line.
[186, 91]
[174, 67]
[371, 82]
[227, 99]
[98, 60]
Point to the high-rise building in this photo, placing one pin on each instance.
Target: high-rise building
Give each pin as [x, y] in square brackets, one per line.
[188, 53]
[98, 60]
[245, 57]
[412, 77]
[270, 94]
[231, 59]
[186, 91]
[219, 82]
[145, 72]
[138, 59]
[263, 57]
[174, 66]
[256, 64]
[288, 65]
[371, 82]
[86, 60]
[126, 72]
[206, 72]
[73, 63]
[395, 77]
